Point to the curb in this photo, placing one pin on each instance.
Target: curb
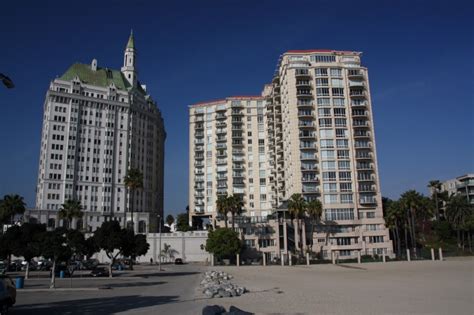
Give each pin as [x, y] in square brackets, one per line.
[58, 289]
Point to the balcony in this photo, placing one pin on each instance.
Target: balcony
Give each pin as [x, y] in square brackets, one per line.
[237, 112]
[199, 179]
[308, 157]
[358, 103]
[238, 151]
[199, 127]
[306, 124]
[221, 124]
[356, 84]
[310, 190]
[238, 174]
[199, 157]
[303, 83]
[360, 123]
[355, 74]
[302, 73]
[305, 113]
[368, 201]
[199, 187]
[366, 188]
[238, 159]
[199, 194]
[221, 146]
[199, 134]
[361, 134]
[236, 104]
[308, 147]
[365, 178]
[309, 168]
[309, 179]
[221, 177]
[199, 141]
[364, 166]
[359, 113]
[199, 202]
[221, 155]
[236, 143]
[199, 118]
[237, 167]
[221, 139]
[198, 164]
[362, 145]
[221, 116]
[199, 149]
[221, 131]
[199, 172]
[357, 93]
[304, 93]
[221, 161]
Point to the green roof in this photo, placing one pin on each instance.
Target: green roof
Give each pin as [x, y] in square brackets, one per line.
[131, 43]
[101, 77]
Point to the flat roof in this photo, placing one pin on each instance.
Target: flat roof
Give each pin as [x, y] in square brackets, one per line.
[238, 97]
[309, 51]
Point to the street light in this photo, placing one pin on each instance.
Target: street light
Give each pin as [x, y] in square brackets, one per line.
[159, 246]
[6, 81]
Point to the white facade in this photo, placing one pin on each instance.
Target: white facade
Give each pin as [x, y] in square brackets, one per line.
[97, 124]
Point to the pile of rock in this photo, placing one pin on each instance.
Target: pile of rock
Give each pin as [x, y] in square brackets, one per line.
[217, 284]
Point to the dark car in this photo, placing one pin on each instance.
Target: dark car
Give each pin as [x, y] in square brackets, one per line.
[99, 272]
[178, 261]
[7, 294]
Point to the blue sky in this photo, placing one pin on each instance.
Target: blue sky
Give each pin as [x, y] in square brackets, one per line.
[419, 55]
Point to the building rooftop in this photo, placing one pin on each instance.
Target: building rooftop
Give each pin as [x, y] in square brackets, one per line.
[312, 51]
[101, 77]
[238, 97]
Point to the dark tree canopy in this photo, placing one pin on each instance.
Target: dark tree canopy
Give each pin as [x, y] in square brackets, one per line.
[223, 243]
[182, 222]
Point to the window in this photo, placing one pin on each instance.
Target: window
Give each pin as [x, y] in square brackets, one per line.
[337, 83]
[326, 133]
[341, 133]
[339, 214]
[346, 198]
[323, 58]
[339, 112]
[338, 102]
[322, 82]
[340, 122]
[330, 187]
[325, 122]
[346, 187]
[328, 165]
[344, 175]
[321, 72]
[344, 165]
[337, 91]
[327, 143]
[322, 91]
[327, 154]
[370, 215]
[342, 154]
[330, 198]
[323, 102]
[336, 72]
[324, 112]
[329, 176]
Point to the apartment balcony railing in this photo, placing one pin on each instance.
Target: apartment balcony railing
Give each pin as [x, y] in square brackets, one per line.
[366, 178]
[198, 164]
[304, 93]
[199, 202]
[358, 113]
[309, 179]
[221, 116]
[221, 124]
[199, 118]
[356, 83]
[199, 179]
[308, 157]
[364, 167]
[361, 123]
[237, 174]
[199, 134]
[362, 134]
[305, 103]
[221, 131]
[237, 159]
[221, 177]
[199, 156]
[310, 190]
[364, 145]
[367, 201]
[198, 149]
[310, 135]
[357, 93]
[199, 194]
[309, 168]
[221, 155]
[308, 147]
[199, 127]
[237, 113]
[238, 151]
[366, 188]
[358, 103]
[303, 83]
[221, 161]
[221, 145]
[305, 124]
[220, 139]
[236, 105]
[238, 167]
[305, 113]
[199, 172]
[301, 73]
[355, 74]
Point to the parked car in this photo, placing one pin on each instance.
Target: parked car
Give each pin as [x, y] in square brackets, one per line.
[15, 266]
[178, 261]
[99, 272]
[89, 264]
[44, 265]
[7, 294]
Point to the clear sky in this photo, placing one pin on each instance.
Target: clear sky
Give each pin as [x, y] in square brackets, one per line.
[419, 55]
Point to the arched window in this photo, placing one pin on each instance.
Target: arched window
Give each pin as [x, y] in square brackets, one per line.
[141, 226]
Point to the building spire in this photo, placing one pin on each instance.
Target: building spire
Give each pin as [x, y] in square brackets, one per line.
[131, 43]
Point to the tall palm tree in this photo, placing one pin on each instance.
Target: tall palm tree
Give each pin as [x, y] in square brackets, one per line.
[69, 210]
[222, 205]
[297, 207]
[394, 218]
[133, 181]
[235, 207]
[435, 186]
[458, 211]
[314, 209]
[10, 206]
[412, 202]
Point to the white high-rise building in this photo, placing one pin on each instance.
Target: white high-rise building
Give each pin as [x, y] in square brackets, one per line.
[97, 124]
[318, 135]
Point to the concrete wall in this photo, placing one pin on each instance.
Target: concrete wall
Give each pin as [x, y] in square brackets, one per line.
[187, 245]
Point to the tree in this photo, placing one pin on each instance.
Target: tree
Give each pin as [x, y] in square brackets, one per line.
[394, 220]
[297, 207]
[134, 245]
[133, 181]
[54, 247]
[235, 205]
[223, 243]
[9, 241]
[11, 205]
[182, 222]
[28, 245]
[314, 210]
[412, 202]
[459, 212]
[69, 210]
[435, 187]
[222, 205]
[110, 238]
[169, 220]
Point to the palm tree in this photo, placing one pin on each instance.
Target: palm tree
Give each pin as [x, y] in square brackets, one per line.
[10, 206]
[297, 207]
[235, 207]
[222, 205]
[314, 210]
[69, 210]
[412, 202]
[133, 181]
[435, 186]
[458, 212]
[394, 218]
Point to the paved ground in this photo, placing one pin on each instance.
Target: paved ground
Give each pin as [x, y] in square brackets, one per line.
[144, 291]
[422, 287]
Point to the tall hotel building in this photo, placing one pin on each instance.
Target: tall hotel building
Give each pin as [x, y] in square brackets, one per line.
[318, 137]
[97, 124]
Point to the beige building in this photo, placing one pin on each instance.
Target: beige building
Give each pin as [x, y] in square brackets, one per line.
[317, 134]
[98, 123]
[463, 185]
